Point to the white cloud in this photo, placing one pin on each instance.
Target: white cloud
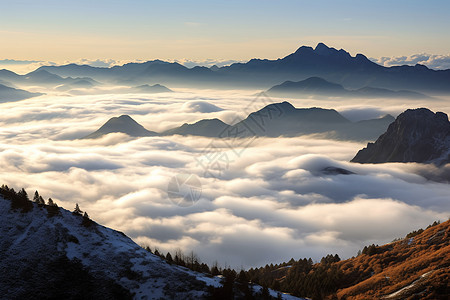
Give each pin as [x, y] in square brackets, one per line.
[438, 62]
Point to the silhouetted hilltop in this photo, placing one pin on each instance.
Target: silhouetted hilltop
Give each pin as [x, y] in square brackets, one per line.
[417, 135]
[209, 128]
[124, 124]
[415, 267]
[316, 86]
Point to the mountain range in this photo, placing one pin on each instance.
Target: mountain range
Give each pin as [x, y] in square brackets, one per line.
[417, 135]
[316, 86]
[279, 119]
[352, 72]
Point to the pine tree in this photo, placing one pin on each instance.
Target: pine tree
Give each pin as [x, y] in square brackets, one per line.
[36, 197]
[77, 210]
[86, 221]
[169, 258]
[23, 194]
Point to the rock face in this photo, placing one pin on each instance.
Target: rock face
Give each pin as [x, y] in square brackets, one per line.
[417, 135]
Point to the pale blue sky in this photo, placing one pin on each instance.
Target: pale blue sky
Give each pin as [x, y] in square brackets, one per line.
[136, 29]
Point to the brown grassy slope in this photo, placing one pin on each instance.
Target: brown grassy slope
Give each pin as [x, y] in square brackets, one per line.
[416, 268]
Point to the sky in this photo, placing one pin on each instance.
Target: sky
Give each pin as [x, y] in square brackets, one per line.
[61, 30]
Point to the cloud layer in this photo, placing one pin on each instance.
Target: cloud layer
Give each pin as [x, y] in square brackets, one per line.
[438, 62]
[263, 203]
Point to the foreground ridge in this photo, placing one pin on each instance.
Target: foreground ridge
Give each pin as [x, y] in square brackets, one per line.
[47, 252]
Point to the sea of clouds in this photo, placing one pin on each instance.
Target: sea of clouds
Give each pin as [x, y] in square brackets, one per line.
[268, 202]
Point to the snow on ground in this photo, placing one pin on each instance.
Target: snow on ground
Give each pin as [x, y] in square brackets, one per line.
[408, 287]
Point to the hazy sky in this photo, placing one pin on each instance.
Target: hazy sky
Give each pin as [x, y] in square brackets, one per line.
[134, 29]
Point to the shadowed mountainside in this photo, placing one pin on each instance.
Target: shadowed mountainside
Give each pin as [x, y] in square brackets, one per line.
[417, 135]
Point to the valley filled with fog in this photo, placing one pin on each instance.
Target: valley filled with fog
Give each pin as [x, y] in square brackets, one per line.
[270, 200]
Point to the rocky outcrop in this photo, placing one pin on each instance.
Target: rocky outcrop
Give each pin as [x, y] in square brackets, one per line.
[417, 135]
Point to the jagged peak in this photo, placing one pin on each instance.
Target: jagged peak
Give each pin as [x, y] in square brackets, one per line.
[304, 49]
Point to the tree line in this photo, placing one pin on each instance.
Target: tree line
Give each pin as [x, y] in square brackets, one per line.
[20, 201]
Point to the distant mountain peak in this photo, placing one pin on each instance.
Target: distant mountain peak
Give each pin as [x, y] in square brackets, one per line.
[122, 124]
[323, 49]
[321, 45]
[304, 49]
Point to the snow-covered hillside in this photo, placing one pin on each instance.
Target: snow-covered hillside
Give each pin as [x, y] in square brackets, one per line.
[56, 256]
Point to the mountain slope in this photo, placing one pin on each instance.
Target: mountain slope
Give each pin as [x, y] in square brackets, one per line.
[48, 256]
[312, 85]
[316, 86]
[417, 135]
[43, 78]
[415, 267]
[208, 128]
[124, 124]
[8, 94]
[47, 252]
